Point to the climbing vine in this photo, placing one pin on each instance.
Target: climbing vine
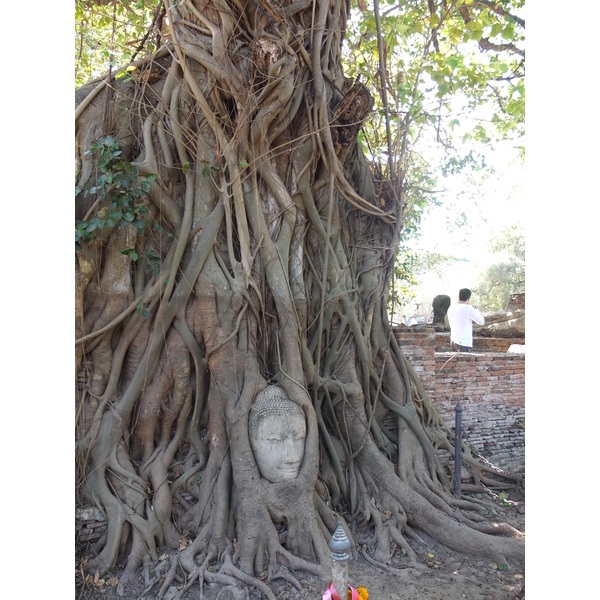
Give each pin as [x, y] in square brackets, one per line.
[119, 193]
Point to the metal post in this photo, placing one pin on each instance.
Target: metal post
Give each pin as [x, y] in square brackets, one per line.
[457, 448]
[339, 544]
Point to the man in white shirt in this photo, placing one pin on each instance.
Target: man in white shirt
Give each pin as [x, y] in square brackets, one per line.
[461, 317]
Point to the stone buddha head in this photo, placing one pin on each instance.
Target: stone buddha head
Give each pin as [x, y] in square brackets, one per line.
[277, 428]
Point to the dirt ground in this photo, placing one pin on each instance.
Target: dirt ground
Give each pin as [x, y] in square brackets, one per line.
[441, 574]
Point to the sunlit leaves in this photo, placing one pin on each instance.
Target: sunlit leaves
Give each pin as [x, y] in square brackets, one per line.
[454, 77]
[506, 275]
[462, 59]
[102, 42]
[468, 51]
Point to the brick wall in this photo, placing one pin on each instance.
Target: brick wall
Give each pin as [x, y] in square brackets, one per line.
[516, 301]
[490, 386]
[480, 344]
[89, 525]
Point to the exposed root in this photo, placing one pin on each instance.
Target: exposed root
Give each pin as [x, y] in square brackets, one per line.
[274, 252]
[407, 574]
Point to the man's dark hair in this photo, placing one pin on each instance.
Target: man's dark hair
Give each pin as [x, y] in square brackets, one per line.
[464, 294]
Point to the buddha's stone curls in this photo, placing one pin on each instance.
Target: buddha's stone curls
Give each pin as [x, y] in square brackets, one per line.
[277, 429]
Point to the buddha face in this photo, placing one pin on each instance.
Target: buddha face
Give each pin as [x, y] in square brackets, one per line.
[277, 434]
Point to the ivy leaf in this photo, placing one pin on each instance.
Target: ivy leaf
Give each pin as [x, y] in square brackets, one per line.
[130, 252]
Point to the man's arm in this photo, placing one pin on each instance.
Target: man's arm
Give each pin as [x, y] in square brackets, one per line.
[476, 316]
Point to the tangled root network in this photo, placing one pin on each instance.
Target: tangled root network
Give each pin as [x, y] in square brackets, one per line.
[241, 239]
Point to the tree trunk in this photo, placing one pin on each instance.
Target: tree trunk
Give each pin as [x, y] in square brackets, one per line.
[272, 246]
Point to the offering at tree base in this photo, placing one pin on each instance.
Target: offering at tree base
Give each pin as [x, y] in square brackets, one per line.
[353, 594]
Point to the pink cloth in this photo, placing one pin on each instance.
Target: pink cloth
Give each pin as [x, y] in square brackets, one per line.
[331, 593]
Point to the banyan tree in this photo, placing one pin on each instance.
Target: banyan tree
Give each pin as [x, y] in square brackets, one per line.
[233, 241]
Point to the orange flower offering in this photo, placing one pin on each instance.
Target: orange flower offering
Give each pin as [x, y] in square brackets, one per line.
[353, 594]
[362, 593]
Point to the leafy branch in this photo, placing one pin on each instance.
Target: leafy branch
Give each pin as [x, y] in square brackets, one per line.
[119, 183]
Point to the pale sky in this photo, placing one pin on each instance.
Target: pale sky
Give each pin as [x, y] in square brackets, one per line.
[490, 203]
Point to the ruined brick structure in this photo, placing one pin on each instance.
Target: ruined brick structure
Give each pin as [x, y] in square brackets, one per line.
[490, 384]
[516, 301]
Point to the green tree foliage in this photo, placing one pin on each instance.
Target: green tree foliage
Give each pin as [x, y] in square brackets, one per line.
[112, 33]
[119, 186]
[451, 80]
[443, 61]
[506, 275]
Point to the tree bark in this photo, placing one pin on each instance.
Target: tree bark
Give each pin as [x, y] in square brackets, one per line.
[276, 246]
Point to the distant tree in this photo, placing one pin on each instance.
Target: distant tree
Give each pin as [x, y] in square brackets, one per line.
[506, 275]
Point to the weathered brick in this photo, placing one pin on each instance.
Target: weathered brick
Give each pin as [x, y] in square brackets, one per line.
[489, 383]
